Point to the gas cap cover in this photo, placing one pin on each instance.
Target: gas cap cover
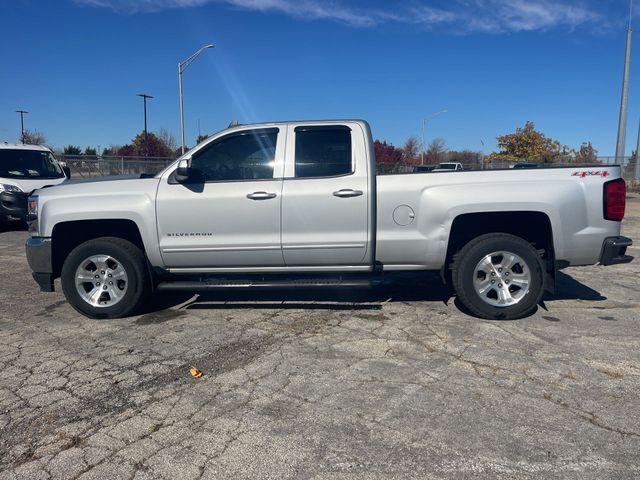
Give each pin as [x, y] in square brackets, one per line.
[403, 215]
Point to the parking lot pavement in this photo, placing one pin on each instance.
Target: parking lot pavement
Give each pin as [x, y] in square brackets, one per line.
[398, 385]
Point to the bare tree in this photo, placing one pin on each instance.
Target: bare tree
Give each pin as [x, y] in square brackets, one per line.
[167, 138]
[411, 150]
[436, 150]
[34, 137]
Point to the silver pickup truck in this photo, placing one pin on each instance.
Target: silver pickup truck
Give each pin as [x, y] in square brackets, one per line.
[299, 204]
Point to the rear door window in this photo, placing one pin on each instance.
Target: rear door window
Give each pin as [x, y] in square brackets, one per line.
[323, 151]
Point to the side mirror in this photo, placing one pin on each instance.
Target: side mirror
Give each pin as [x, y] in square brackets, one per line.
[183, 171]
[67, 172]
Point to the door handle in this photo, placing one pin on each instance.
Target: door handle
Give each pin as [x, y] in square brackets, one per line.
[347, 192]
[261, 195]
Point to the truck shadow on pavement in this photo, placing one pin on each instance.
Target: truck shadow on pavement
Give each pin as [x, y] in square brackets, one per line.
[424, 286]
[568, 288]
[407, 287]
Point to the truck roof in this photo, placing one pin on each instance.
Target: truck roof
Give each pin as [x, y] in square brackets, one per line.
[240, 126]
[20, 146]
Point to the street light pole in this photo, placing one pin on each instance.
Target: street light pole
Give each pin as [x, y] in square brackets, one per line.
[424, 128]
[182, 66]
[21, 112]
[144, 97]
[624, 101]
[636, 175]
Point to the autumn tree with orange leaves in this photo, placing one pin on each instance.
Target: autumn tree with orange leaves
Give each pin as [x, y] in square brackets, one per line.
[528, 144]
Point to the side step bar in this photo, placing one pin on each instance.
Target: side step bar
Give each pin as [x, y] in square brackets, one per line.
[226, 283]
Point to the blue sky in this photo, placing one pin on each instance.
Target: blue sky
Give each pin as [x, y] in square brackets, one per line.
[76, 66]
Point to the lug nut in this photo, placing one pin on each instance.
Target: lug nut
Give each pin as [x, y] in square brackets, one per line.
[97, 276]
[102, 272]
[499, 285]
[507, 274]
[507, 282]
[493, 281]
[499, 269]
[97, 284]
[110, 283]
[104, 288]
[110, 275]
[493, 274]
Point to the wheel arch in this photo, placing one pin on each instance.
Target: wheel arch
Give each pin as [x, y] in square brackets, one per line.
[66, 236]
[532, 226]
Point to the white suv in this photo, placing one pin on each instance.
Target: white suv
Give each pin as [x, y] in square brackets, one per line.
[23, 169]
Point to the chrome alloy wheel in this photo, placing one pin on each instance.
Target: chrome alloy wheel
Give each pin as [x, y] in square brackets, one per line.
[502, 279]
[101, 281]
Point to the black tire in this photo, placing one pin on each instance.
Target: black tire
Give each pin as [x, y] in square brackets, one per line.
[464, 276]
[131, 260]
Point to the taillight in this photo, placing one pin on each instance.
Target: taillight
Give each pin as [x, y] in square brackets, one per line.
[615, 197]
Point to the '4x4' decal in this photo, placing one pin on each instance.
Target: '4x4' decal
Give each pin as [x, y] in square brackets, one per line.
[591, 173]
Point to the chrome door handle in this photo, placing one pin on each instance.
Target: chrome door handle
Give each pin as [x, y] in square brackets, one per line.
[261, 195]
[347, 192]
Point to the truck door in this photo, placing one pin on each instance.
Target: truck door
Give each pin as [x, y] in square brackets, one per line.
[325, 197]
[230, 215]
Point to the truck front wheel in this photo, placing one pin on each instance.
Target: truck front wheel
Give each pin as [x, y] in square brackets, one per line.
[498, 276]
[105, 278]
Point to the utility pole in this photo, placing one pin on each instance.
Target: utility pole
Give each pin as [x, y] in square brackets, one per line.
[21, 112]
[144, 97]
[637, 169]
[624, 101]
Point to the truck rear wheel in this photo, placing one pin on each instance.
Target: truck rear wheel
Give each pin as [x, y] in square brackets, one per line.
[105, 278]
[498, 276]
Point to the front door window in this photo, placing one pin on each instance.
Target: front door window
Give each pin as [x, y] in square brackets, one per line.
[246, 155]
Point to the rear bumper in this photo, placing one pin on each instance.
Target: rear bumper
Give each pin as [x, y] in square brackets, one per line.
[13, 206]
[614, 251]
[39, 258]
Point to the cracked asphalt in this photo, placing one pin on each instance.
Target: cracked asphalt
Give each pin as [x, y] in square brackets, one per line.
[323, 385]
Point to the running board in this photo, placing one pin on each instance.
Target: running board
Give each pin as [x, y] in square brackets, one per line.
[213, 284]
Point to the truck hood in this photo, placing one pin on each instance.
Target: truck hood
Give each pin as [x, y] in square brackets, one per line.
[100, 186]
[29, 185]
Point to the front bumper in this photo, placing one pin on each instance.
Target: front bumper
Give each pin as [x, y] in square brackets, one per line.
[614, 251]
[13, 206]
[40, 261]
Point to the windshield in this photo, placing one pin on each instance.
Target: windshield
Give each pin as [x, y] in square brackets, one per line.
[28, 164]
[447, 166]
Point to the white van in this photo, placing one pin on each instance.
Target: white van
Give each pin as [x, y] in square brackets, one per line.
[23, 169]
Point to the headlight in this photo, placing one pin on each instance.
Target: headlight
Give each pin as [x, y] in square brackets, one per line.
[32, 214]
[5, 187]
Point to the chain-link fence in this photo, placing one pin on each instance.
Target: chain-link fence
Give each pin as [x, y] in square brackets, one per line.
[87, 166]
[630, 170]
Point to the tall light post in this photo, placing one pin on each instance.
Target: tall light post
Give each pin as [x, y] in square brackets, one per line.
[624, 100]
[144, 97]
[182, 66]
[21, 112]
[424, 128]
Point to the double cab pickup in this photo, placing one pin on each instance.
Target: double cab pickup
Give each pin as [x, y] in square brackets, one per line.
[299, 204]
